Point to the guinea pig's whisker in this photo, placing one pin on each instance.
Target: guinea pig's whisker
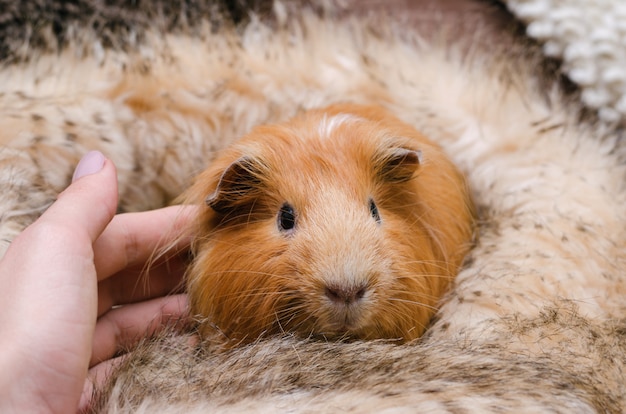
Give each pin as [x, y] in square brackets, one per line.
[281, 315]
[235, 271]
[294, 321]
[228, 225]
[423, 295]
[260, 293]
[431, 263]
[407, 205]
[252, 293]
[418, 274]
[423, 277]
[251, 273]
[413, 302]
[293, 306]
[291, 310]
[406, 317]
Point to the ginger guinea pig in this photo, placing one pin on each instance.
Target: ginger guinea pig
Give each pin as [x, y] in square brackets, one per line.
[343, 222]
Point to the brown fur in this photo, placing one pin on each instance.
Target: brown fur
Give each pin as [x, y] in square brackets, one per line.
[249, 278]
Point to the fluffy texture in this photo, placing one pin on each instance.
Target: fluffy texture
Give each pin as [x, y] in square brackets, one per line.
[492, 374]
[590, 38]
[341, 222]
[535, 319]
[50, 26]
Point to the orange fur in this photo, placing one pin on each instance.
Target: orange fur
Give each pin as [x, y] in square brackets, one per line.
[339, 272]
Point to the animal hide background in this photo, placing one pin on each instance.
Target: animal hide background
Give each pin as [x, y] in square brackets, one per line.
[535, 320]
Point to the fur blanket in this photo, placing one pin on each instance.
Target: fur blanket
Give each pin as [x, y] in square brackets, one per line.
[536, 319]
[590, 38]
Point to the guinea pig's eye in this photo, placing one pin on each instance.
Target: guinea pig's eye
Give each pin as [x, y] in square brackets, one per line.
[286, 217]
[374, 211]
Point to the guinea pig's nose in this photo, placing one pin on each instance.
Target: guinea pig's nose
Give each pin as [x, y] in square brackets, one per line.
[345, 295]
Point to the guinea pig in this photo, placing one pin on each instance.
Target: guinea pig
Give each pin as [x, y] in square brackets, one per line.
[343, 222]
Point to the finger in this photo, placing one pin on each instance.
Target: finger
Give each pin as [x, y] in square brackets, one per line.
[137, 283]
[97, 377]
[90, 202]
[123, 327]
[135, 238]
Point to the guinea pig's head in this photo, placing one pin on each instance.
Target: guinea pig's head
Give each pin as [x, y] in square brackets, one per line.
[343, 222]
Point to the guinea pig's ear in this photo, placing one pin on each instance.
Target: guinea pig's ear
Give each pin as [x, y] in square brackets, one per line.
[238, 184]
[398, 164]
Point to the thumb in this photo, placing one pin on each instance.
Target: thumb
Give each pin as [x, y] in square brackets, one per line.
[90, 202]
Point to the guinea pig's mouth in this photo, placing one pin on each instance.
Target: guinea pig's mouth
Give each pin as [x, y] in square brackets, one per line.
[345, 322]
[329, 320]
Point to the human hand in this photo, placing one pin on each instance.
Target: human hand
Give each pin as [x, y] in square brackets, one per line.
[65, 272]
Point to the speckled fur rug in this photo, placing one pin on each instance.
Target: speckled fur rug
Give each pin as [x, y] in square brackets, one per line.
[535, 321]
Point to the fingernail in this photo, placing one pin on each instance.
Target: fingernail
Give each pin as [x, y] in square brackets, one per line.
[91, 163]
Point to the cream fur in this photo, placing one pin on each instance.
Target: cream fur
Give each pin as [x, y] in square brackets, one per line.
[589, 37]
[535, 320]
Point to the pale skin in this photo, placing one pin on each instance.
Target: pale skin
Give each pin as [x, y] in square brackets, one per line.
[59, 281]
